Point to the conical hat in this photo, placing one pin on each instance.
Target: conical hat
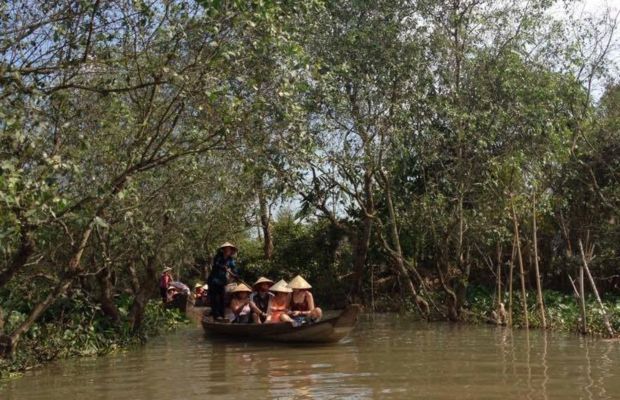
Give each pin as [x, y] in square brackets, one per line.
[198, 285]
[242, 287]
[228, 244]
[167, 269]
[281, 286]
[230, 287]
[299, 283]
[262, 279]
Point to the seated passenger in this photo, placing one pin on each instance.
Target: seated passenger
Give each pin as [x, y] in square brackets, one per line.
[205, 295]
[241, 306]
[171, 293]
[177, 292]
[278, 305]
[197, 295]
[260, 298]
[180, 287]
[302, 302]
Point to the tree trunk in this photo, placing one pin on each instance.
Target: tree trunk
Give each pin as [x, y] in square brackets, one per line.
[106, 299]
[521, 269]
[141, 289]
[19, 259]
[9, 343]
[499, 274]
[403, 273]
[265, 220]
[539, 293]
[362, 241]
[511, 279]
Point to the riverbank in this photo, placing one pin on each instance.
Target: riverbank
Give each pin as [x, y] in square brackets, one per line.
[389, 356]
[81, 330]
[562, 310]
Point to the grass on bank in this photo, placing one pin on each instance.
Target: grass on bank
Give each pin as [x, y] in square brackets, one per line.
[562, 310]
[77, 328]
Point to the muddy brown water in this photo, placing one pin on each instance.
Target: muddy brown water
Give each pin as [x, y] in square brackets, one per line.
[387, 356]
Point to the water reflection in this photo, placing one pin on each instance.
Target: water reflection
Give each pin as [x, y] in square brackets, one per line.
[545, 365]
[389, 356]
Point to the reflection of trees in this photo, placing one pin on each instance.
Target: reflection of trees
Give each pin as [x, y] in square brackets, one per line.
[219, 380]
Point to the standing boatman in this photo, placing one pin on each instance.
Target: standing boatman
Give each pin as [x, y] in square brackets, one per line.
[223, 267]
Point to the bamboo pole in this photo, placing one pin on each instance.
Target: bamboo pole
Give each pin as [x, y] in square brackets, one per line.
[583, 328]
[610, 330]
[372, 287]
[510, 280]
[582, 302]
[539, 293]
[521, 269]
[499, 274]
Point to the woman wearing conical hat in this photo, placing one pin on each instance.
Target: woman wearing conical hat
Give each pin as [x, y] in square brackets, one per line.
[241, 306]
[223, 267]
[278, 308]
[198, 295]
[303, 309]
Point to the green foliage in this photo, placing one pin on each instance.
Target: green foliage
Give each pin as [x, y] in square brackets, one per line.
[310, 249]
[563, 311]
[401, 135]
[75, 326]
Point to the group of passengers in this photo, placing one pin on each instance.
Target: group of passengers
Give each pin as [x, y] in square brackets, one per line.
[265, 302]
[170, 289]
[269, 302]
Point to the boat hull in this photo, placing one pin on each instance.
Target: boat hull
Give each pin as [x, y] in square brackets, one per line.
[326, 331]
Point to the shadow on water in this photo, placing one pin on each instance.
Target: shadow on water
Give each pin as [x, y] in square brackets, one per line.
[387, 356]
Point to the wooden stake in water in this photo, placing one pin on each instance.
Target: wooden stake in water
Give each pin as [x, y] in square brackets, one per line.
[539, 293]
[521, 269]
[582, 302]
[510, 279]
[610, 330]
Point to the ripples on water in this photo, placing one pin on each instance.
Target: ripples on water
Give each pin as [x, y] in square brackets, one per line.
[386, 357]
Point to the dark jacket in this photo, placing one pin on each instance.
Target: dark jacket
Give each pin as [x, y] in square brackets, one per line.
[219, 270]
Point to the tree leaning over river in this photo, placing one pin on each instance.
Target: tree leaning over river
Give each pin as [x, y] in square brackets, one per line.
[408, 139]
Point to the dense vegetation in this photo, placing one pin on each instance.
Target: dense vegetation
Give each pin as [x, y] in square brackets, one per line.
[432, 155]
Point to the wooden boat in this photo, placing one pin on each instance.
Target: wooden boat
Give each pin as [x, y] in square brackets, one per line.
[325, 331]
[179, 302]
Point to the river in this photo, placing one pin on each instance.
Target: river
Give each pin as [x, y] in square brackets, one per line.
[387, 356]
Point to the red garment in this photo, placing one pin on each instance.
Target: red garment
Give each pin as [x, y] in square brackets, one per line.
[276, 311]
[165, 280]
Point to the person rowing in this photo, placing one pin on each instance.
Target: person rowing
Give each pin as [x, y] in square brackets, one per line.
[223, 267]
